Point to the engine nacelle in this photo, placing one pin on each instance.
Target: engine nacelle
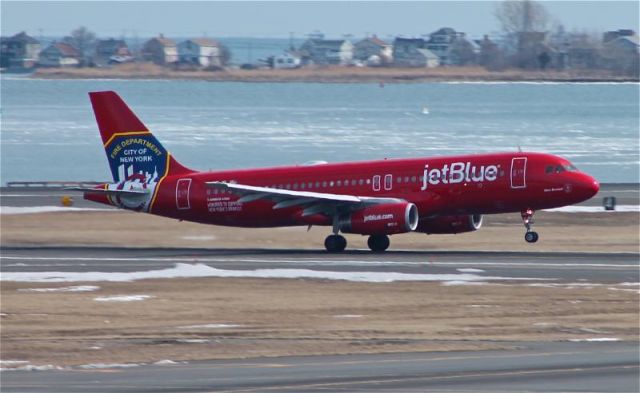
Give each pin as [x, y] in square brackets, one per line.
[385, 219]
[450, 224]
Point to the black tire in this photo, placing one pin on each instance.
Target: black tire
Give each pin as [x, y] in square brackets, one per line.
[531, 237]
[335, 243]
[378, 243]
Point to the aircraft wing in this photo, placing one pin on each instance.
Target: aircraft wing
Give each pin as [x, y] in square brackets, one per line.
[313, 202]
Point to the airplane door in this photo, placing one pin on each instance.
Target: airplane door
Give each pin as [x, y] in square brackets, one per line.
[519, 172]
[182, 194]
[388, 182]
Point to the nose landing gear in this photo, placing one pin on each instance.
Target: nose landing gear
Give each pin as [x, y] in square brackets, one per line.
[527, 218]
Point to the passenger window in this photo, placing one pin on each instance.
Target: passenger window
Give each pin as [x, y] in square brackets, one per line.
[388, 182]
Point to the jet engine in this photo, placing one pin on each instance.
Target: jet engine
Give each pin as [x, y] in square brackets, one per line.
[450, 224]
[388, 219]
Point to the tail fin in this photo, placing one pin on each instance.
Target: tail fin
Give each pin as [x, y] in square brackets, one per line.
[133, 152]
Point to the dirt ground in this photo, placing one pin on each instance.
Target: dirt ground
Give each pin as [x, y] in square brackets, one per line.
[596, 232]
[274, 317]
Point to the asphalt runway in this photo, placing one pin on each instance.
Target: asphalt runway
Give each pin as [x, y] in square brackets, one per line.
[531, 367]
[535, 266]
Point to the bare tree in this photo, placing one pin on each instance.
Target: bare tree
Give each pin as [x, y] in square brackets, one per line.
[83, 40]
[518, 16]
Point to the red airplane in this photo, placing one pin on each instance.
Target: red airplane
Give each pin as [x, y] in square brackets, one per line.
[436, 195]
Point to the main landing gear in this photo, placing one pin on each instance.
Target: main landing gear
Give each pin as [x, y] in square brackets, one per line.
[337, 243]
[527, 217]
[378, 243]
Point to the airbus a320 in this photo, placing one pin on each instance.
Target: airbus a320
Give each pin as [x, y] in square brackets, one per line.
[435, 195]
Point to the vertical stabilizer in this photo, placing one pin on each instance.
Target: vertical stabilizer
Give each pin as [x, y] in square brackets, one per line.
[132, 150]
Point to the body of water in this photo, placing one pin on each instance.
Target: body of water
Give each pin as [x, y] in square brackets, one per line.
[48, 131]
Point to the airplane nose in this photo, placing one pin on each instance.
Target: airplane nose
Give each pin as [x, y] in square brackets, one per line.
[595, 186]
[590, 186]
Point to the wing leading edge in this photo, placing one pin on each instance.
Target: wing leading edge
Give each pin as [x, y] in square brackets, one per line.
[314, 202]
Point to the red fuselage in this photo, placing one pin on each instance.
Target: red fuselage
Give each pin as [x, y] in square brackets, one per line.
[438, 186]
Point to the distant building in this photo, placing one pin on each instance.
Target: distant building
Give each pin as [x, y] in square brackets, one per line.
[626, 43]
[160, 50]
[621, 52]
[441, 42]
[112, 51]
[287, 60]
[452, 47]
[412, 52]
[19, 51]
[59, 54]
[612, 35]
[321, 51]
[373, 51]
[203, 52]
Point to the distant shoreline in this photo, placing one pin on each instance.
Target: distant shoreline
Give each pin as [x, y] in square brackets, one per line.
[333, 74]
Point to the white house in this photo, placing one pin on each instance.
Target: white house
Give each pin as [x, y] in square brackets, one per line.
[204, 52]
[321, 51]
[372, 48]
[160, 51]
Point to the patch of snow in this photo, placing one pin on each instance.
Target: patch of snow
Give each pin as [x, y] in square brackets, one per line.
[185, 270]
[601, 339]
[624, 289]
[588, 330]
[348, 316]
[210, 326]
[465, 282]
[595, 209]
[46, 209]
[31, 367]
[77, 288]
[192, 341]
[470, 270]
[166, 362]
[199, 238]
[122, 298]
[12, 362]
[95, 347]
[107, 365]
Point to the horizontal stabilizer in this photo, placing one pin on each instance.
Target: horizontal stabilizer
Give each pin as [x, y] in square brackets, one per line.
[102, 191]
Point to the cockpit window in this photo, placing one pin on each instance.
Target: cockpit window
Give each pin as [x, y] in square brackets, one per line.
[570, 168]
[548, 169]
[559, 169]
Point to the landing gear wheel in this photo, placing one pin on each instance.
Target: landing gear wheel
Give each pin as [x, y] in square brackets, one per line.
[335, 243]
[378, 243]
[531, 237]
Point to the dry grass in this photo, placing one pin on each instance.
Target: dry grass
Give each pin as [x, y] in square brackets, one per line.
[296, 317]
[558, 232]
[327, 74]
